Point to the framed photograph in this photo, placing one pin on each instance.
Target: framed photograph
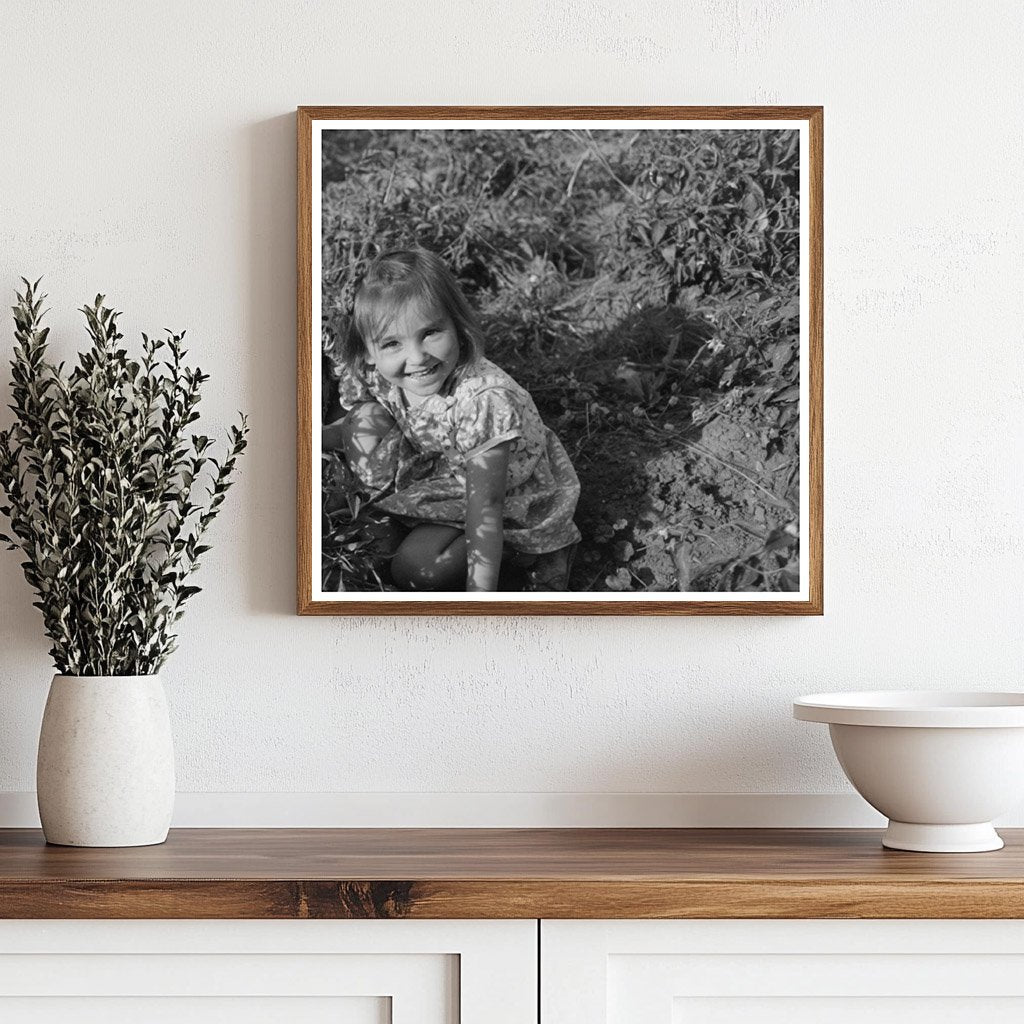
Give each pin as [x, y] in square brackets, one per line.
[560, 361]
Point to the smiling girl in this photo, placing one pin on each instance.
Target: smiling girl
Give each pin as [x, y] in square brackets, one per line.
[455, 445]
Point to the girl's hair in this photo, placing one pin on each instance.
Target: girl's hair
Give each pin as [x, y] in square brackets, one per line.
[396, 278]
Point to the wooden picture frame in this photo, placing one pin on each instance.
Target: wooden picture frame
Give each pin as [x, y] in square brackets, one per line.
[783, 575]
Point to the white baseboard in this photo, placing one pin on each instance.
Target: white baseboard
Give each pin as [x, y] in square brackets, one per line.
[504, 810]
[495, 810]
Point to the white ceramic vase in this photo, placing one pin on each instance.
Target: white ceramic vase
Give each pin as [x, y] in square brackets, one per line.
[105, 772]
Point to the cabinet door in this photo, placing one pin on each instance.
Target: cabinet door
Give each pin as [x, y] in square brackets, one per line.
[258, 972]
[782, 972]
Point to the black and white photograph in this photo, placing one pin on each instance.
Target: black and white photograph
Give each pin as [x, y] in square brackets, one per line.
[560, 361]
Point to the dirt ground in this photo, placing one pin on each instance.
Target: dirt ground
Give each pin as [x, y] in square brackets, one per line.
[701, 509]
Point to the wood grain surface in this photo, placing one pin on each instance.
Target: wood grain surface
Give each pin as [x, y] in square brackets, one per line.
[508, 873]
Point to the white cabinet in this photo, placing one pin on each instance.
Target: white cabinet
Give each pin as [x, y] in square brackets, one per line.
[782, 972]
[486, 972]
[258, 972]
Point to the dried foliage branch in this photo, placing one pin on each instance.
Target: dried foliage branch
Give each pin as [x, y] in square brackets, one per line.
[109, 496]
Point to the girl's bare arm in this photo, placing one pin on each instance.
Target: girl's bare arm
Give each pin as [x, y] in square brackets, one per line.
[486, 481]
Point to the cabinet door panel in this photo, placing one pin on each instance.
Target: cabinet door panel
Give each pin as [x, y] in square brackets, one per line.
[188, 1010]
[734, 972]
[301, 972]
[847, 1010]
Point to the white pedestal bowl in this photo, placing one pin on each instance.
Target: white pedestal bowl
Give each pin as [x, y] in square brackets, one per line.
[940, 766]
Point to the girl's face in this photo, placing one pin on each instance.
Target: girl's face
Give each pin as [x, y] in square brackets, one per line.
[417, 350]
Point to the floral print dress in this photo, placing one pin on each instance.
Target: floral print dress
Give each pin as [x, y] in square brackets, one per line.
[419, 469]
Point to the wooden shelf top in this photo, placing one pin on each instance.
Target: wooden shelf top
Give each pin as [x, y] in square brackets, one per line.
[508, 873]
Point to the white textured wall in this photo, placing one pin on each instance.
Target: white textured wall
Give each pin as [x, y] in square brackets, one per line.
[148, 152]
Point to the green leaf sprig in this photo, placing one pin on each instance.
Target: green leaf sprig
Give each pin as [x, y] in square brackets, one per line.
[109, 495]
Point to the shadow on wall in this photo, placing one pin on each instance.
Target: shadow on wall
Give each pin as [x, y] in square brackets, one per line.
[268, 318]
[21, 627]
[675, 751]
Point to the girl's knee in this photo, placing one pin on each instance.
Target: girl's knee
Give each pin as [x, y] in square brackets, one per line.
[431, 558]
[364, 428]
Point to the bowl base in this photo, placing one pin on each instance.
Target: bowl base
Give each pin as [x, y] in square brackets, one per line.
[978, 838]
